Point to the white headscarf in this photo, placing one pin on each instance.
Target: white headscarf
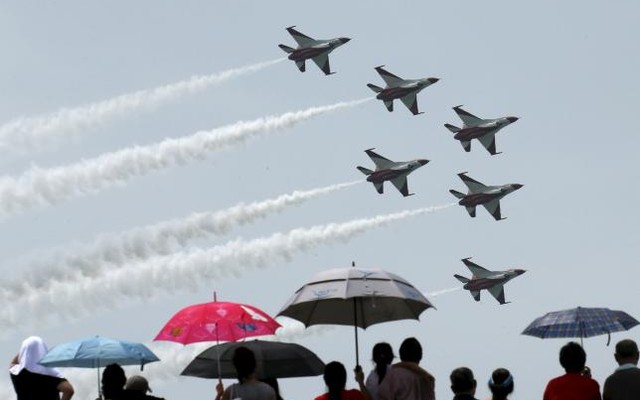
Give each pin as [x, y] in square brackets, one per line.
[31, 352]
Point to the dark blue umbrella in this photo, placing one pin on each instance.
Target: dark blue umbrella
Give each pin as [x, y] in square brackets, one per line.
[96, 352]
[580, 322]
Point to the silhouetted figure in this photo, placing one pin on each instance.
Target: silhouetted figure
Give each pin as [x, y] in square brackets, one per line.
[501, 384]
[33, 381]
[624, 383]
[248, 386]
[335, 377]
[572, 385]
[463, 384]
[406, 380]
[137, 388]
[382, 356]
[113, 380]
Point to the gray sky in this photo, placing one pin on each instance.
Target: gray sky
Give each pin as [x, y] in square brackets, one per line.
[567, 69]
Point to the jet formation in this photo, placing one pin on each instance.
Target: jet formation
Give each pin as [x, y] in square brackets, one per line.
[398, 88]
[492, 281]
[477, 128]
[309, 48]
[481, 194]
[387, 170]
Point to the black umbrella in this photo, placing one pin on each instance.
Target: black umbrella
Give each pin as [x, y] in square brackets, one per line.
[274, 360]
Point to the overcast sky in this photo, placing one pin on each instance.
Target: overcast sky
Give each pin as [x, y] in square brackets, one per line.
[567, 69]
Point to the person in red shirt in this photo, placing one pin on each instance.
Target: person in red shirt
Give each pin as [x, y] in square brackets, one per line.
[335, 377]
[572, 385]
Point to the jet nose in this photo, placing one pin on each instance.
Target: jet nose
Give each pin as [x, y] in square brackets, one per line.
[433, 80]
[422, 161]
[517, 186]
[512, 119]
[344, 40]
[521, 271]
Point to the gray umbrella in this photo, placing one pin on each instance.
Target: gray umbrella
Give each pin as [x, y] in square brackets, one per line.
[274, 360]
[359, 297]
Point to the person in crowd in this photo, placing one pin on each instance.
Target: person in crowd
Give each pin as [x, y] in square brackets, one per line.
[113, 381]
[273, 382]
[463, 384]
[137, 388]
[335, 377]
[406, 380]
[34, 381]
[624, 383]
[382, 355]
[572, 385]
[248, 386]
[501, 384]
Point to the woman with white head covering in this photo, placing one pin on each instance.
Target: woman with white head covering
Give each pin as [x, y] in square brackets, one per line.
[32, 381]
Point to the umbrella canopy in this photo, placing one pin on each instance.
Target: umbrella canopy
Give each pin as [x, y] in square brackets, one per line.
[217, 321]
[274, 360]
[580, 322]
[355, 296]
[359, 297]
[96, 352]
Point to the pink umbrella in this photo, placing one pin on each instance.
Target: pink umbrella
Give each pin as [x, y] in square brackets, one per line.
[217, 321]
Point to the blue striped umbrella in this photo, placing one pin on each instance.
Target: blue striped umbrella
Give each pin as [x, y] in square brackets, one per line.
[580, 322]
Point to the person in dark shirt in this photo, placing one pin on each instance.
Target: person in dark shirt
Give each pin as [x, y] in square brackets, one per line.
[463, 384]
[32, 381]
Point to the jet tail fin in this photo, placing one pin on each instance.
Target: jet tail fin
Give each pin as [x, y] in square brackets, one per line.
[364, 170]
[286, 49]
[452, 128]
[375, 88]
[462, 278]
[456, 193]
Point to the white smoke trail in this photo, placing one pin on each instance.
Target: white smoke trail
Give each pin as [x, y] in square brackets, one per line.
[29, 133]
[42, 187]
[189, 270]
[443, 291]
[149, 241]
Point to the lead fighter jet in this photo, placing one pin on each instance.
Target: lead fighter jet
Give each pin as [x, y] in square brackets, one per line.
[477, 128]
[481, 194]
[387, 170]
[316, 50]
[398, 88]
[482, 278]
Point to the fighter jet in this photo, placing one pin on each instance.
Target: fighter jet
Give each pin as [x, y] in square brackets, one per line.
[316, 50]
[387, 170]
[398, 88]
[480, 194]
[482, 278]
[477, 128]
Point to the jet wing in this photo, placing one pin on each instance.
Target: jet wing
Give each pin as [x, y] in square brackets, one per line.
[389, 105]
[467, 118]
[379, 187]
[378, 160]
[476, 270]
[472, 211]
[300, 38]
[489, 142]
[401, 184]
[389, 78]
[497, 291]
[411, 103]
[322, 61]
[473, 185]
[493, 207]
[475, 294]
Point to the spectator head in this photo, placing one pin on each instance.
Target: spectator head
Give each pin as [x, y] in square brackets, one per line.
[137, 383]
[411, 350]
[382, 353]
[501, 383]
[572, 357]
[462, 381]
[113, 380]
[244, 362]
[335, 377]
[627, 352]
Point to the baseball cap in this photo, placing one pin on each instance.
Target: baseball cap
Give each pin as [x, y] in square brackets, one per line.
[137, 383]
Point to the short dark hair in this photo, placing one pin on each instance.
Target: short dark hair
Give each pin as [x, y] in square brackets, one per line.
[462, 380]
[113, 380]
[410, 350]
[501, 383]
[626, 348]
[572, 357]
[244, 361]
[335, 377]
